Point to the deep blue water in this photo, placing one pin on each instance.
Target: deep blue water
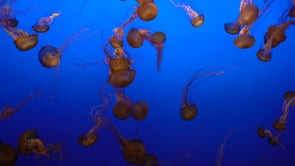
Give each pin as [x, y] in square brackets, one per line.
[249, 93]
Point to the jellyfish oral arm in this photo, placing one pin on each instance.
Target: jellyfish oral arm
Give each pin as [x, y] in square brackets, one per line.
[286, 106]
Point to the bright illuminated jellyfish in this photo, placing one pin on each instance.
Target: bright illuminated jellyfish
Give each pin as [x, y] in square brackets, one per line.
[150, 160]
[248, 12]
[134, 151]
[43, 23]
[190, 111]
[6, 18]
[195, 18]
[29, 143]
[219, 157]
[8, 155]
[22, 40]
[244, 40]
[8, 111]
[281, 124]
[147, 10]
[49, 56]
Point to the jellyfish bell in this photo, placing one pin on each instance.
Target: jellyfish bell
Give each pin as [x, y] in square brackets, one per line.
[158, 38]
[248, 15]
[22, 146]
[197, 20]
[277, 34]
[40, 28]
[147, 11]
[134, 152]
[260, 132]
[11, 22]
[49, 56]
[244, 41]
[289, 95]
[232, 28]
[139, 110]
[188, 111]
[8, 155]
[119, 64]
[122, 78]
[26, 42]
[278, 126]
[116, 42]
[121, 111]
[88, 139]
[263, 56]
[135, 38]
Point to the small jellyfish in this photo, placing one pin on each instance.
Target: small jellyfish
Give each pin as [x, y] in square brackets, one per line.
[147, 11]
[232, 28]
[190, 111]
[264, 54]
[49, 56]
[135, 37]
[139, 110]
[8, 155]
[281, 124]
[195, 18]
[288, 95]
[8, 111]
[244, 40]
[29, 143]
[43, 24]
[157, 40]
[121, 110]
[134, 151]
[22, 40]
[260, 132]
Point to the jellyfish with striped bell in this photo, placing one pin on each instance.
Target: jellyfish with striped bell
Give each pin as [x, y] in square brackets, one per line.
[50, 56]
[196, 19]
[43, 23]
[189, 111]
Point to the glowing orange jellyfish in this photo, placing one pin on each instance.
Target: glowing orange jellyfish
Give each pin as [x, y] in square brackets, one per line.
[195, 18]
[190, 111]
[43, 24]
[49, 56]
[147, 10]
[96, 114]
[29, 143]
[6, 14]
[8, 111]
[281, 124]
[134, 151]
[8, 155]
[248, 12]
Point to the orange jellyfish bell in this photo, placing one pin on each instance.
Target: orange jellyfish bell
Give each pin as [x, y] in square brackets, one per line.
[278, 126]
[147, 11]
[244, 41]
[134, 152]
[49, 56]
[232, 28]
[260, 132]
[289, 95]
[139, 110]
[40, 28]
[292, 12]
[277, 34]
[248, 15]
[116, 42]
[23, 146]
[88, 139]
[12, 22]
[197, 20]
[188, 111]
[134, 38]
[263, 56]
[158, 38]
[8, 155]
[121, 111]
[26, 42]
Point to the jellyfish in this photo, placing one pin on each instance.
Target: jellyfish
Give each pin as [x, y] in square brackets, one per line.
[157, 40]
[272, 140]
[8, 155]
[6, 18]
[264, 54]
[195, 18]
[190, 111]
[43, 24]
[139, 110]
[291, 12]
[248, 13]
[134, 151]
[281, 124]
[147, 10]
[232, 28]
[29, 143]
[244, 40]
[8, 111]
[219, 157]
[288, 95]
[49, 56]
